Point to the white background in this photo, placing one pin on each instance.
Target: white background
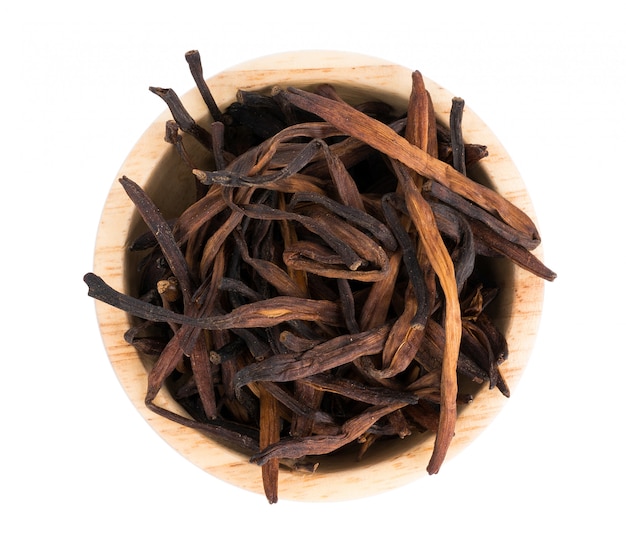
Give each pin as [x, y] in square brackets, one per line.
[81, 470]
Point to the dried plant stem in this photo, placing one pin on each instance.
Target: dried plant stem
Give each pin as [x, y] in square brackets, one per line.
[161, 230]
[195, 67]
[261, 314]
[325, 444]
[269, 434]
[456, 135]
[438, 256]
[182, 117]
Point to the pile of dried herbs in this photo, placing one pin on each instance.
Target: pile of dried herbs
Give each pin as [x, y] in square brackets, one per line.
[323, 290]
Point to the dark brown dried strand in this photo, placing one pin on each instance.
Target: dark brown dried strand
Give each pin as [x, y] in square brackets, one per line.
[205, 299]
[475, 301]
[170, 358]
[291, 406]
[423, 414]
[374, 108]
[430, 356]
[198, 215]
[495, 336]
[295, 261]
[491, 243]
[371, 253]
[456, 135]
[325, 444]
[462, 205]
[201, 367]
[421, 127]
[269, 433]
[261, 314]
[427, 380]
[172, 136]
[145, 241]
[228, 351]
[346, 298]
[404, 339]
[273, 311]
[237, 286]
[232, 434]
[289, 237]
[348, 256]
[474, 153]
[182, 117]
[453, 224]
[302, 423]
[305, 249]
[163, 233]
[195, 66]
[347, 189]
[269, 271]
[202, 304]
[357, 391]
[290, 184]
[265, 152]
[256, 343]
[407, 332]
[149, 346]
[285, 153]
[100, 290]
[228, 366]
[350, 151]
[358, 217]
[296, 343]
[398, 424]
[233, 179]
[375, 309]
[321, 358]
[411, 263]
[217, 137]
[439, 258]
[490, 358]
[220, 235]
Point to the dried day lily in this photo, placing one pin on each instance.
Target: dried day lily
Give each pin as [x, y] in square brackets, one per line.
[320, 294]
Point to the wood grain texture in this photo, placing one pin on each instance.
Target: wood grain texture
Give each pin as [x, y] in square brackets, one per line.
[153, 165]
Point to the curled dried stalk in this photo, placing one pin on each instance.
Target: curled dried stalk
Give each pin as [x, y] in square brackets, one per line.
[263, 313]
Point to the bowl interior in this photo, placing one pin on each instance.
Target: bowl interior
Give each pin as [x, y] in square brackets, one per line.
[154, 165]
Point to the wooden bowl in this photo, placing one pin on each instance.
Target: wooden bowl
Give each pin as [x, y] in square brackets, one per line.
[153, 164]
